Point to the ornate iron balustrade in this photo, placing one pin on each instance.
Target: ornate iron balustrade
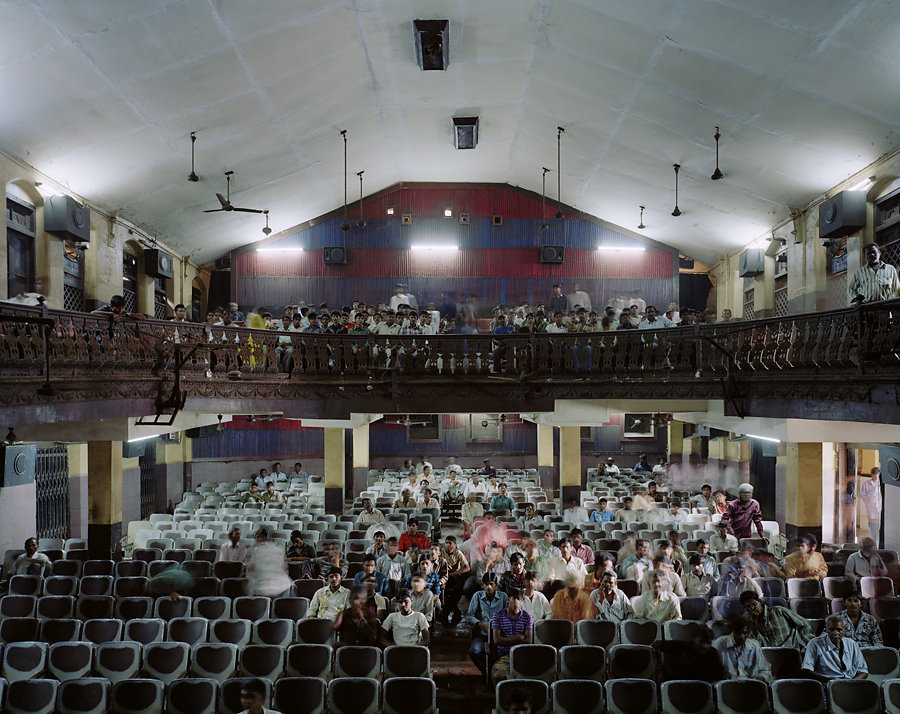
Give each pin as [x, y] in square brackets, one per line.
[56, 350]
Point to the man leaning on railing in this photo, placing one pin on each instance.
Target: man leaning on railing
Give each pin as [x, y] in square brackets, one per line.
[874, 281]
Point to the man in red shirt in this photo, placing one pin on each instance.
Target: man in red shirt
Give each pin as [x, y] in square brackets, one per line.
[742, 512]
[413, 536]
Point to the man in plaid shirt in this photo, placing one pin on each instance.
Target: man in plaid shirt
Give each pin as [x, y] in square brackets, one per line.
[774, 625]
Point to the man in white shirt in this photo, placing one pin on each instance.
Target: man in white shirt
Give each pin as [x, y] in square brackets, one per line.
[330, 600]
[389, 326]
[401, 297]
[723, 540]
[370, 514]
[234, 550]
[742, 656]
[471, 509]
[671, 581]
[277, 474]
[476, 486]
[453, 467]
[611, 603]
[31, 562]
[579, 297]
[611, 467]
[535, 601]
[406, 626]
[575, 513]
[568, 562]
[557, 326]
[423, 462]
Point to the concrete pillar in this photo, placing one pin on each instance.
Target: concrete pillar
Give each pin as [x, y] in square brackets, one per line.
[104, 498]
[171, 458]
[545, 455]
[676, 441]
[78, 490]
[360, 459]
[570, 475]
[803, 489]
[334, 470]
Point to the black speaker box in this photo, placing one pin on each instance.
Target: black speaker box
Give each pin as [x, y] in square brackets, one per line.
[158, 263]
[889, 458]
[552, 253]
[66, 218]
[334, 255]
[18, 464]
[842, 215]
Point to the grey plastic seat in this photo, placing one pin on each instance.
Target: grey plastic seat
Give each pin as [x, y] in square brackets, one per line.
[803, 587]
[742, 696]
[131, 569]
[24, 660]
[557, 633]
[100, 567]
[300, 695]
[405, 695]
[797, 696]
[66, 568]
[639, 632]
[17, 606]
[631, 661]
[292, 608]
[687, 696]
[251, 607]
[784, 661]
[55, 607]
[96, 585]
[26, 585]
[234, 587]
[19, 629]
[684, 631]
[631, 696]
[197, 568]
[212, 608]
[533, 662]
[890, 689]
[156, 567]
[53, 631]
[31, 696]
[582, 662]
[854, 696]
[695, 608]
[231, 631]
[538, 691]
[137, 696]
[117, 660]
[273, 631]
[357, 661]
[315, 630]
[354, 695]
[86, 695]
[310, 660]
[214, 660]
[134, 608]
[130, 586]
[407, 661]
[883, 663]
[105, 630]
[601, 633]
[166, 661]
[190, 630]
[145, 630]
[70, 660]
[228, 569]
[576, 696]
[192, 696]
[93, 607]
[166, 608]
[264, 661]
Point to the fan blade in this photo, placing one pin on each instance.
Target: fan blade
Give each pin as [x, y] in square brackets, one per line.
[247, 210]
[222, 200]
[214, 210]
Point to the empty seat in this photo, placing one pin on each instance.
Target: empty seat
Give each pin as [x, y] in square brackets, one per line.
[204, 587]
[882, 662]
[797, 696]
[803, 587]
[93, 607]
[407, 661]
[639, 632]
[24, 660]
[630, 696]
[212, 608]
[885, 608]
[310, 660]
[214, 660]
[557, 633]
[160, 566]
[695, 608]
[292, 608]
[725, 607]
[687, 696]
[771, 587]
[315, 630]
[684, 631]
[631, 661]
[601, 633]
[192, 696]
[117, 660]
[166, 661]
[273, 632]
[55, 607]
[85, 695]
[102, 630]
[812, 608]
[409, 695]
[130, 569]
[582, 662]
[17, 606]
[871, 586]
[890, 689]
[190, 630]
[53, 631]
[533, 662]
[68, 568]
[307, 588]
[166, 608]
[31, 696]
[353, 695]
[854, 696]
[265, 661]
[742, 696]
[26, 585]
[96, 585]
[145, 630]
[835, 588]
[228, 569]
[146, 555]
[19, 629]
[100, 567]
[576, 696]
[785, 661]
[357, 661]
[538, 693]
[131, 608]
[70, 660]
[136, 696]
[234, 587]
[251, 607]
[232, 631]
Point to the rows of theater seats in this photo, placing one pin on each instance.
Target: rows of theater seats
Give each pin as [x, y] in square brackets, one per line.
[747, 696]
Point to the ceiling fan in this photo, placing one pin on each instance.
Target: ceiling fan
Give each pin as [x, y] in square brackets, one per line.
[226, 199]
[407, 421]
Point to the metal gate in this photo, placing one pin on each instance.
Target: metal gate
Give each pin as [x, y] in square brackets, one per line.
[51, 477]
[147, 463]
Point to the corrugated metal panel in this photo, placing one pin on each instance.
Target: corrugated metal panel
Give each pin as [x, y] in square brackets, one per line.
[265, 444]
[390, 440]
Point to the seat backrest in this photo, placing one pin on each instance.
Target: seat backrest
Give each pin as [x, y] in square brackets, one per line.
[354, 695]
[557, 633]
[214, 660]
[785, 661]
[67, 630]
[631, 661]
[309, 660]
[31, 696]
[602, 633]
[19, 629]
[251, 607]
[687, 696]
[273, 631]
[639, 632]
[882, 662]
[409, 694]
[406, 661]
[70, 660]
[797, 696]
[166, 661]
[265, 661]
[576, 696]
[533, 662]
[212, 608]
[24, 660]
[357, 661]
[86, 695]
[744, 696]
[102, 630]
[192, 696]
[117, 660]
[630, 696]
[230, 630]
[136, 696]
[303, 695]
[856, 696]
[190, 630]
[582, 662]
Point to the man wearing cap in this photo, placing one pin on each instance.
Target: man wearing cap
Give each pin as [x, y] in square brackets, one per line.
[611, 467]
[452, 466]
[742, 512]
[488, 470]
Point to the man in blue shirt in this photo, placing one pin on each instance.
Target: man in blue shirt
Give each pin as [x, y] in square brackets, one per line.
[833, 656]
[382, 582]
[500, 347]
[502, 502]
[482, 608]
[601, 515]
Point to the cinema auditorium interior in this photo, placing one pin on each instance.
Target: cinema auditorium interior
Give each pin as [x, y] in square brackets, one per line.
[371, 357]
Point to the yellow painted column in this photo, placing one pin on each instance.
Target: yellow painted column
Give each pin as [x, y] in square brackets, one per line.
[360, 459]
[334, 470]
[104, 498]
[78, 490]
[545, 455]
[676, 441]
[570, 463]
[803, 489]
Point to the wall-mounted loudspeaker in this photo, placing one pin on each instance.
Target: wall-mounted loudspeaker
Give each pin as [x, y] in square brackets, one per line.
[66, 218]
[334, 255]
[552, 253]
[752, 263]
[496, 220]
[18, 464]
[465, 219]
[406, 219]
[158, 263]
[842, 215]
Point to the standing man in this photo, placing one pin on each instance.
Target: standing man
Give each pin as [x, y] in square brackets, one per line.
[559, 302]
[870, 495]
[874, 281]
[743, 511]
[580, 297]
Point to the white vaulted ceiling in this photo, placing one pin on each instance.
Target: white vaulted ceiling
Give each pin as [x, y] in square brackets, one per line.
[101, 95]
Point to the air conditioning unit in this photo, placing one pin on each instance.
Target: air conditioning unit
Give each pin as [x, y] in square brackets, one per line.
[66, 218]
[842, 215]
[752, 263]
[158, 263]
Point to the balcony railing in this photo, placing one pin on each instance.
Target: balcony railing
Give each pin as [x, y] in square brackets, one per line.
[52, 348]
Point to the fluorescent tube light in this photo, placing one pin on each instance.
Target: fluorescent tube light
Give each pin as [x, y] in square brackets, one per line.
[279, 250]
[764, 438]
[434, 247]
[143, 438]
[622, 248]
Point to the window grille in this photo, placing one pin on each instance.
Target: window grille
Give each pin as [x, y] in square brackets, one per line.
[147, 464]
[73, 298]
[130, 298]
[781, 296]
[51, 477]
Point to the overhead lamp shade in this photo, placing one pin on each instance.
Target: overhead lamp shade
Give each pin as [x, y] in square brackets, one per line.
[465, 132]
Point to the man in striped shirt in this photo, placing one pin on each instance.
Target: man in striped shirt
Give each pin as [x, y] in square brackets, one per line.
[511, 626]
[876, 280]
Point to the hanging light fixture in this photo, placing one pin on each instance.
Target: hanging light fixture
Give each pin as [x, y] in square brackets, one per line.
[192, 176]
[717, 174]
[544, 225]
[361, 222]
[266, 230]
[345, 226]
[220, 427]
[641, 225]
[559, 132]
[677, 211]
